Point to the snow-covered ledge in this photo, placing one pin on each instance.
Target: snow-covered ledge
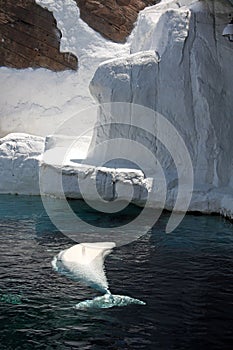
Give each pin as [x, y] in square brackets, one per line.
[20, 156]
[73, 169]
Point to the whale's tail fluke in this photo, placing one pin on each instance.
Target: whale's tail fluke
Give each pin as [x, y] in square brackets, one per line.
[107, 301]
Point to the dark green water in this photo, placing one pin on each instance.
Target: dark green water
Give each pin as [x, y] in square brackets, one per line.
[185, 278]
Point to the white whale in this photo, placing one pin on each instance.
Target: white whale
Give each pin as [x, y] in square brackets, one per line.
[85, 262]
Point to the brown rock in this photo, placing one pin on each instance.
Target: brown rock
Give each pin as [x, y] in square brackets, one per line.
[123, 2]
[114, 19]
[29, 37]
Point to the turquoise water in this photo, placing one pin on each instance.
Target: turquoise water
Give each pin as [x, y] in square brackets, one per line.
[185, 279]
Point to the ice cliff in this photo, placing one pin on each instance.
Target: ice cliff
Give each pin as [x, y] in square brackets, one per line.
[186, 76]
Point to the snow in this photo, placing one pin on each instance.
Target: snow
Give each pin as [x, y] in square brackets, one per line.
[20, 156]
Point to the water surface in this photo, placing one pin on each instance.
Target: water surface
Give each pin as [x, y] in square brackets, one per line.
[185, 278]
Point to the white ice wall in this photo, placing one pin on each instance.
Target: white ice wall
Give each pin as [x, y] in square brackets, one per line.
[191, 85]
[20, 156]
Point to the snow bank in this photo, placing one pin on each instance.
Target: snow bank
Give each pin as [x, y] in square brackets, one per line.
[20, 156]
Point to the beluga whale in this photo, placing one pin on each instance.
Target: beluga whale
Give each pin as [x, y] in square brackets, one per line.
[85, 262]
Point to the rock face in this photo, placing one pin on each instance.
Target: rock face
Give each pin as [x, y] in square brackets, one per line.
[19, 163]
[30, 38]
[188, 78]
[114, 19]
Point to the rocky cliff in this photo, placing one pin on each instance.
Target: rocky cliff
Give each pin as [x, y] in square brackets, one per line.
[29, 37]
[114, 19]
